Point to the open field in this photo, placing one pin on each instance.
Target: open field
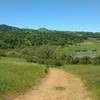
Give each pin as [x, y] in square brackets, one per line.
[90, 74]
[87, 46]
[17, 76]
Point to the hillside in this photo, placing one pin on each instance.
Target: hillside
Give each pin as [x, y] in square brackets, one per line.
[13, 37]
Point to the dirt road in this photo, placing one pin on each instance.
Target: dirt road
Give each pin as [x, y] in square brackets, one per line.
[58, 85]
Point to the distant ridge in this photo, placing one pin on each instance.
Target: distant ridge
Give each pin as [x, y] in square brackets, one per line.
[4, 27]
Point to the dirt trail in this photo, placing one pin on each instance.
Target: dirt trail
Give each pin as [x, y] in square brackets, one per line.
[58, 85]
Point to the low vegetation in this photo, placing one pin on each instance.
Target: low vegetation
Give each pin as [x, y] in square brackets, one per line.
[57, 56]
[59, 88]
[90, 74]
[17, 76]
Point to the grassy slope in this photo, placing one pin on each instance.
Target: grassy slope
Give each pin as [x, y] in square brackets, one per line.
[87, 45]
[16, 76]
[90, 74]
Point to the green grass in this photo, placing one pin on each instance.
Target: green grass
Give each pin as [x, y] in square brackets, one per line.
[90, 74]
[17, 76]
[59, 88]
[87, 45]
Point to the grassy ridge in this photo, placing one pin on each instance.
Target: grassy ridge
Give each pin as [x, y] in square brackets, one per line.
[16, 76]
[90, 74]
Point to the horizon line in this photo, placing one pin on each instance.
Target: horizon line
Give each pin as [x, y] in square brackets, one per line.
[32, 28]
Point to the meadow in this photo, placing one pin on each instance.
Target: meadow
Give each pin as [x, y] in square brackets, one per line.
[86, 46]
[90, 75]
[17, 76]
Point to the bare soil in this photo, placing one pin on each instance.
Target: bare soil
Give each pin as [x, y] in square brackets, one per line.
[58, 85]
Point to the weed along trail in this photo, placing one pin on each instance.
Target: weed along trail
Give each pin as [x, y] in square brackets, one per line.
[58, 85]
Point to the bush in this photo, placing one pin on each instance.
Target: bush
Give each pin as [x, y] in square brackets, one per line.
[84, 60]
[13, 54]
[58, 62]
[52, 62]
[29, 58]
[75, 60]
[46, 68]
[2, 53]
[69, 59]
[96, 60]
[34, 59]
[84, 50]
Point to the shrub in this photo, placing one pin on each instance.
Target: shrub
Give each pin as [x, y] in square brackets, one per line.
[29, 58]
[54, 62]
[84, 60]
[69, 59]
[96, 60]
[75, 60]
[84, 50]
[58, 62]
[94, 50]
[2, 53]
[13, 54]
[34, 59]
[46, 68]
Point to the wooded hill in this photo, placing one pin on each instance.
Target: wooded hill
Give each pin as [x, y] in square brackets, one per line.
[13, 37]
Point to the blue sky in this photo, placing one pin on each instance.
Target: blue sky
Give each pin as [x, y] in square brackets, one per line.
[71, 15]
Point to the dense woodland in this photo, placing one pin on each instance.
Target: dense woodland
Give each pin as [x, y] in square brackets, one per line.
[43, 45]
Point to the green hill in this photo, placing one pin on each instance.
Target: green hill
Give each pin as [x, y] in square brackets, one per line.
[13, 37]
